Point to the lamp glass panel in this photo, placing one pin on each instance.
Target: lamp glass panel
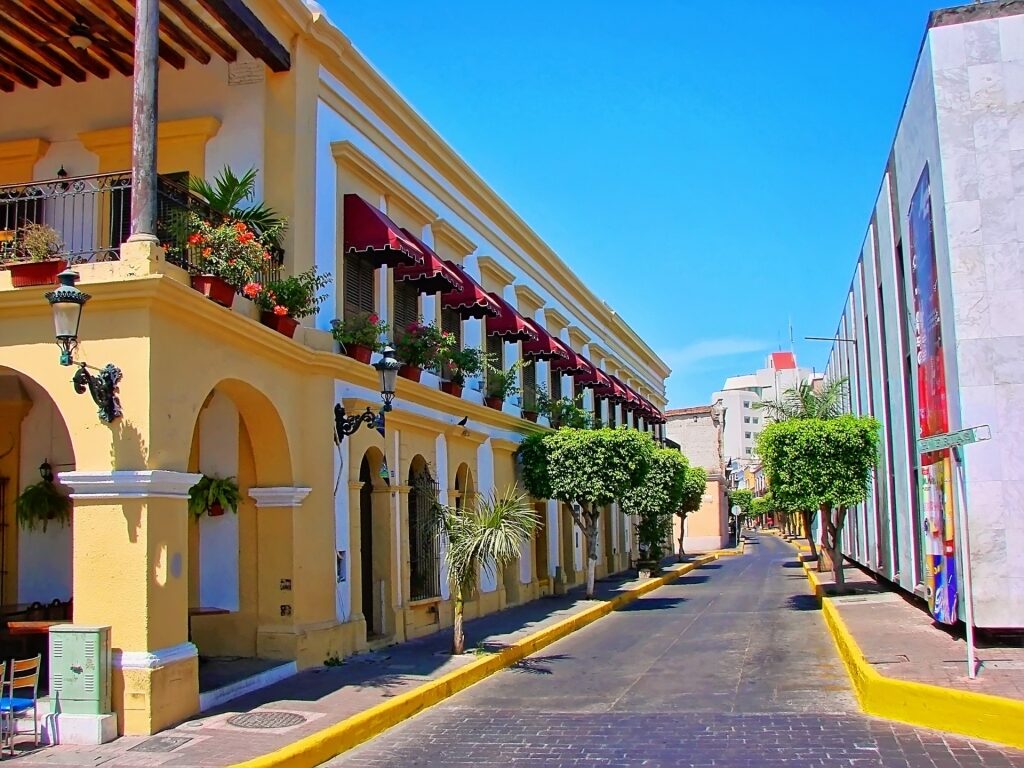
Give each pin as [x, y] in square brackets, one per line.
[66, 316]
[388, 378]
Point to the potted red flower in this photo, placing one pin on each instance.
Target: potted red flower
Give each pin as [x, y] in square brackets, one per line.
[459, 364]
[284, 302]
[32, 256]
[359, 336]
[229, 256]
[421, 346]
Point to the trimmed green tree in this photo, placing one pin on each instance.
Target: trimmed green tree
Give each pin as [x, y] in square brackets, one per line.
[695, 483]
[656, 499]
[822, 464]
[587, 469]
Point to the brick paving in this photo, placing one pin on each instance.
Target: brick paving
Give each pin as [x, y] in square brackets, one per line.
[901, 641]
[729, 666]
[322, 695]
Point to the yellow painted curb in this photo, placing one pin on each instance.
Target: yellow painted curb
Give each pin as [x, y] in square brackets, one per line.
[343, 736]
[980, 715]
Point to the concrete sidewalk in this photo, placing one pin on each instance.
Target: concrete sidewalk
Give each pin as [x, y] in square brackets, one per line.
[322, 696]
[900, 640]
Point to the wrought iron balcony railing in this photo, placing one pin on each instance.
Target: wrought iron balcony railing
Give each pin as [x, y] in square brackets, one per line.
[91, 216]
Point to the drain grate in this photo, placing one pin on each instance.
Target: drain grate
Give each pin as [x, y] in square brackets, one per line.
[266, 719]
[161, 744]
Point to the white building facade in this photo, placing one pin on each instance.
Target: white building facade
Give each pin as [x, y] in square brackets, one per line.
[932, 331]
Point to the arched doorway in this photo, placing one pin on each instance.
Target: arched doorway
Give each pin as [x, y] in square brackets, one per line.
[36, 553]
[424, 544]
[375, 535]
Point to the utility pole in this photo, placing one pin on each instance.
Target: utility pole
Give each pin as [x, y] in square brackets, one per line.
[144, 121]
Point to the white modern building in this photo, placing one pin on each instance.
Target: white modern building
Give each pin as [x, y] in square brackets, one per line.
[740, 395]
[932, 329]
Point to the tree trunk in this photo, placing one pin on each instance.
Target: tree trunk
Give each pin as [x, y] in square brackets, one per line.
[805, 518]
[836, 527]
[825, 556]
[458, 635]
[591, 554]
[682, 533]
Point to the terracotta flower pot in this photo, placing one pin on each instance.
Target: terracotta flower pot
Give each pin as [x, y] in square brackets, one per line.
[215, 510]
[358, 352]
[283, 324]
[530, 416]
[453, 389]
[216, 289]
[410, 372]
[36, 272]
[494, 402]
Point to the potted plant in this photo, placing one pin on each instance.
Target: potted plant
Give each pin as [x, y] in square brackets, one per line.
[33, 260]
[43, 503]
[230, 256]
[501, 385]
[285, 302]
[359, 336]
[212, 495]
[420, 346]
[532, 399]
[459, 364]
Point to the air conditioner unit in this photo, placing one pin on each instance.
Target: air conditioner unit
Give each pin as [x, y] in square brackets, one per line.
[80, 669]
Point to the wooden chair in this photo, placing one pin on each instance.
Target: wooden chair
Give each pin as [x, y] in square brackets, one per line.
[24, 677]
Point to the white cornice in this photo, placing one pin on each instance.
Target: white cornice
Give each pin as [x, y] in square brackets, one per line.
[130, 484]
[153, 659]
[280, 496]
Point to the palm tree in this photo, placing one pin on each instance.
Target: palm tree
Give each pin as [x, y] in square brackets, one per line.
[229, 194]
[485, 534]
[804, 401]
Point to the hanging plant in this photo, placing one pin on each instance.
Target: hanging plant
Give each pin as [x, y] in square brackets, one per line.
[213, 495]
[41, 504]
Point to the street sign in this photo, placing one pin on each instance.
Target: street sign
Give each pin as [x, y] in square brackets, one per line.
[951, 439]
[735, 511]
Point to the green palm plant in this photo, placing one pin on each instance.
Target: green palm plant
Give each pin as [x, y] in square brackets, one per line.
[485, 534]
[234, 197]
[804, 401]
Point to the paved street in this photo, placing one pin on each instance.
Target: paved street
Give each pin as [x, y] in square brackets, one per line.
[729, 666]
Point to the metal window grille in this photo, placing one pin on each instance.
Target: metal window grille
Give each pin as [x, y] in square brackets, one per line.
[424, 543]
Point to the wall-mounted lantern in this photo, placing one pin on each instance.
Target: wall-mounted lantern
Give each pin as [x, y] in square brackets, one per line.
[387, 367]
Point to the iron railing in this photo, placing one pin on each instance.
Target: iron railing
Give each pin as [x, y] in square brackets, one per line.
[424, 541]
[91, 216]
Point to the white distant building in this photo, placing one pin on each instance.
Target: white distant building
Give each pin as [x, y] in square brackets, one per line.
[740, 394]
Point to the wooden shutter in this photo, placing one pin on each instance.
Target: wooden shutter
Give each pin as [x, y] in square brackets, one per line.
[407, 304]
[530, 382]
[451, 322]
[555, 387]
[359, 291]
[496, 349]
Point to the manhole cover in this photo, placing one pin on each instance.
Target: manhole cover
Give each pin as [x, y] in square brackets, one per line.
[161, 744]
[266, 720]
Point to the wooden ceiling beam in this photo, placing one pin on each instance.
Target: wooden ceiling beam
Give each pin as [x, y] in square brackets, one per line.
[182, 40]
[126, 21]
[236, 17]
[202, 30]
[17, 74]
[15, 56]
[22, 33]
[86, 60]
[101, 48]
[6, 85]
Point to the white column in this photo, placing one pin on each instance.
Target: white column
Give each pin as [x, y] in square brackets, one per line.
[485, 486]
[342, 545]
[443, 497]
[554, 550]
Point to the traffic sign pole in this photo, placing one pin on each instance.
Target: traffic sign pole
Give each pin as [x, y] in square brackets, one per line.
[956, 441]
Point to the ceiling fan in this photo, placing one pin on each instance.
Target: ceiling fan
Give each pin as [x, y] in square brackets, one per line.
[81, 36]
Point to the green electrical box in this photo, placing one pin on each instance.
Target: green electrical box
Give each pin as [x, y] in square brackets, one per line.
[80, 669]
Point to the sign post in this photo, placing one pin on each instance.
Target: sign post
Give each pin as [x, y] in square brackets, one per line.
[956, 441]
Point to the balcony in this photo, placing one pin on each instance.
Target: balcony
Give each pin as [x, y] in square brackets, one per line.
[91, 216]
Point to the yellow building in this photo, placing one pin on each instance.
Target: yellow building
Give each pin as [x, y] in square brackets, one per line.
[322, 558]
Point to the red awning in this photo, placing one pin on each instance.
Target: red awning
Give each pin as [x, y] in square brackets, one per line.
[593, 377]
[571, 363]
[471, 300]
[616, 391]
[369, 232]
[545, 347]
[433, 275]
[632, 399]
[509, 325]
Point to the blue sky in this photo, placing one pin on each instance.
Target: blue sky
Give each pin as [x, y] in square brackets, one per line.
[708, 170]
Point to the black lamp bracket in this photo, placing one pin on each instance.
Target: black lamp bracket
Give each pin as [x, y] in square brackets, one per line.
[347, 425]
[102, 387]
